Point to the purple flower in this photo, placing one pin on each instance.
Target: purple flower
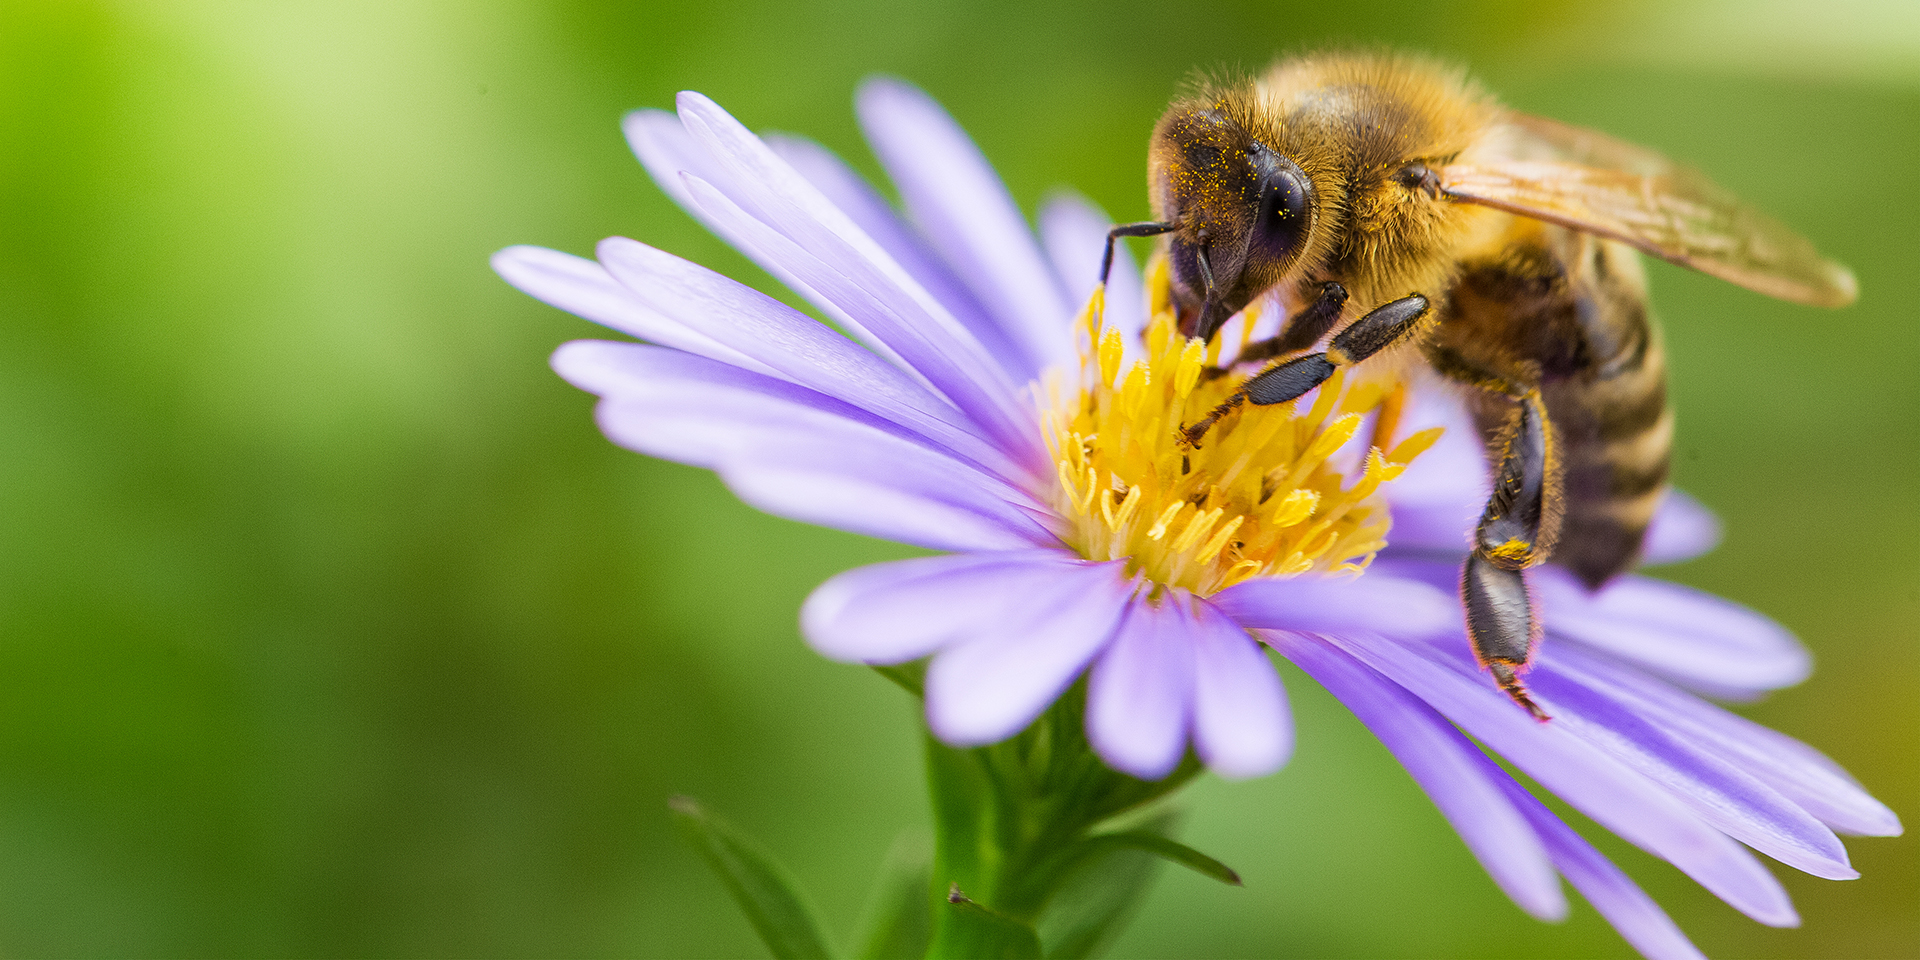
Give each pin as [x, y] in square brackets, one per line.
[969, 409]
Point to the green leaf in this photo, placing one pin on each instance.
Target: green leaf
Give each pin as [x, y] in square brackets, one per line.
[900, 921]
[1168, 849]
[1094, 899]
[770, 899]
[969, 931]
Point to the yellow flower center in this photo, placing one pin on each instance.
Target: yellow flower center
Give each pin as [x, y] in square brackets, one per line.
[1257, 496]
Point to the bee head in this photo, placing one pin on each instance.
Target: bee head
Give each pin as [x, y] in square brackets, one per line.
[1241, 210]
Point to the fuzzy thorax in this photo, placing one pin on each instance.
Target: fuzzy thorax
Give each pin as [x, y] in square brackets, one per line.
[1261, 496]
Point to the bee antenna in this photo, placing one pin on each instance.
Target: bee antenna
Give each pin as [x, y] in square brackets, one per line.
[1146, 228]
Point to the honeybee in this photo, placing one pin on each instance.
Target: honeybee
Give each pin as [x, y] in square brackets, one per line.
[1389, 201]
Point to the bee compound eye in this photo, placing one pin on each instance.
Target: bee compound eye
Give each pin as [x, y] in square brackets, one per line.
[1284, 203]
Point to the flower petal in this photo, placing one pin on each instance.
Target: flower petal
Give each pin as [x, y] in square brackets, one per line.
[1714, 789]
[1139, 690]
[1801, 774]
[757, 443]
[1462, 782]
[1074, 231]
[851, 193]
[793, 345]
[1682, 528]
[1241, 725]
[1595, 783]
[1310, 604]
[907, 609]
[660, 141]
[1638, 918]
[692, 410]
[777, 213]
[1696, 639]
[735, 164]
[1440, 497]
[959, 202]
[987, 401]
[669, 153]
[828, 496]
[987, 687]
[584, 288]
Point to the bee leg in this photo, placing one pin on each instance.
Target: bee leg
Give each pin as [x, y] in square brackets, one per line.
[1303, 329]
[1502, 624]
[1148, 228]
[1381, 328]
[1516, 531]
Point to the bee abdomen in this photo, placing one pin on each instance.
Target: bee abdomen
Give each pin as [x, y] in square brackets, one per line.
[1617, 438]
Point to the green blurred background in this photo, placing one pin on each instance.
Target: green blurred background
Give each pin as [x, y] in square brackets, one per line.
[329, 626]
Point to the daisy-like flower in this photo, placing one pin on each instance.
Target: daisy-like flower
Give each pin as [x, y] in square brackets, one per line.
[973, 406]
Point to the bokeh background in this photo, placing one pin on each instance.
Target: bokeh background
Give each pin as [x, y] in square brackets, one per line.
[330, 626]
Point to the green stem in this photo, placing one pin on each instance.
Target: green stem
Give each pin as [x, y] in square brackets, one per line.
[1013, 821]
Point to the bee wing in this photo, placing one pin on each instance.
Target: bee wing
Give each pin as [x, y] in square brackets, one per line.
[1539, 138]
[1638, 197]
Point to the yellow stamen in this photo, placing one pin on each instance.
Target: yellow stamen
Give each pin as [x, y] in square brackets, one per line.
[1196, 528]
[1404, 451]
[1188, 372]
[1112, 347]
[1219, 539]
[1295, 507]
[1264, 496]
[1128, 507]
[1166, 517]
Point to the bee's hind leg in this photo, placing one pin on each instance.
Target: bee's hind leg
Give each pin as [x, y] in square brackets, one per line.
[1384, 326]
[1516, 531]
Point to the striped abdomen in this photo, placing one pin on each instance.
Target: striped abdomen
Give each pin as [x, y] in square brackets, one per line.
[1567, 312]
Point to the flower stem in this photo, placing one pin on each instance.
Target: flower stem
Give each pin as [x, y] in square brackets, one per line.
[1018, 822]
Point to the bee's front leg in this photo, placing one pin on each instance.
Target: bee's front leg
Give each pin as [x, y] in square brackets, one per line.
[1381, 328]
[1303, 329]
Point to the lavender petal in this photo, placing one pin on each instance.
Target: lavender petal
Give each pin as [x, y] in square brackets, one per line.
[988, 687]
[959, 202]
[987, 402]
[735, 164]
[793, 345]
[1694, 638]
[584, 288]
[1139, 691]
[1241, 726]
[1715, 790]
[825, 496]
[1682, 528]
[1462, 782]
[873, 215]
[786, 219]
[1799, 772]
[1370, 604]
[670, 154]
[907, 609]
[739, 435]
[1595, 783]
[1638, 918]
[692, 410]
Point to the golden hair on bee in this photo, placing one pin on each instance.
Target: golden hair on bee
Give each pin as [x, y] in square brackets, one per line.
[1352, 123]
[1390, 205]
